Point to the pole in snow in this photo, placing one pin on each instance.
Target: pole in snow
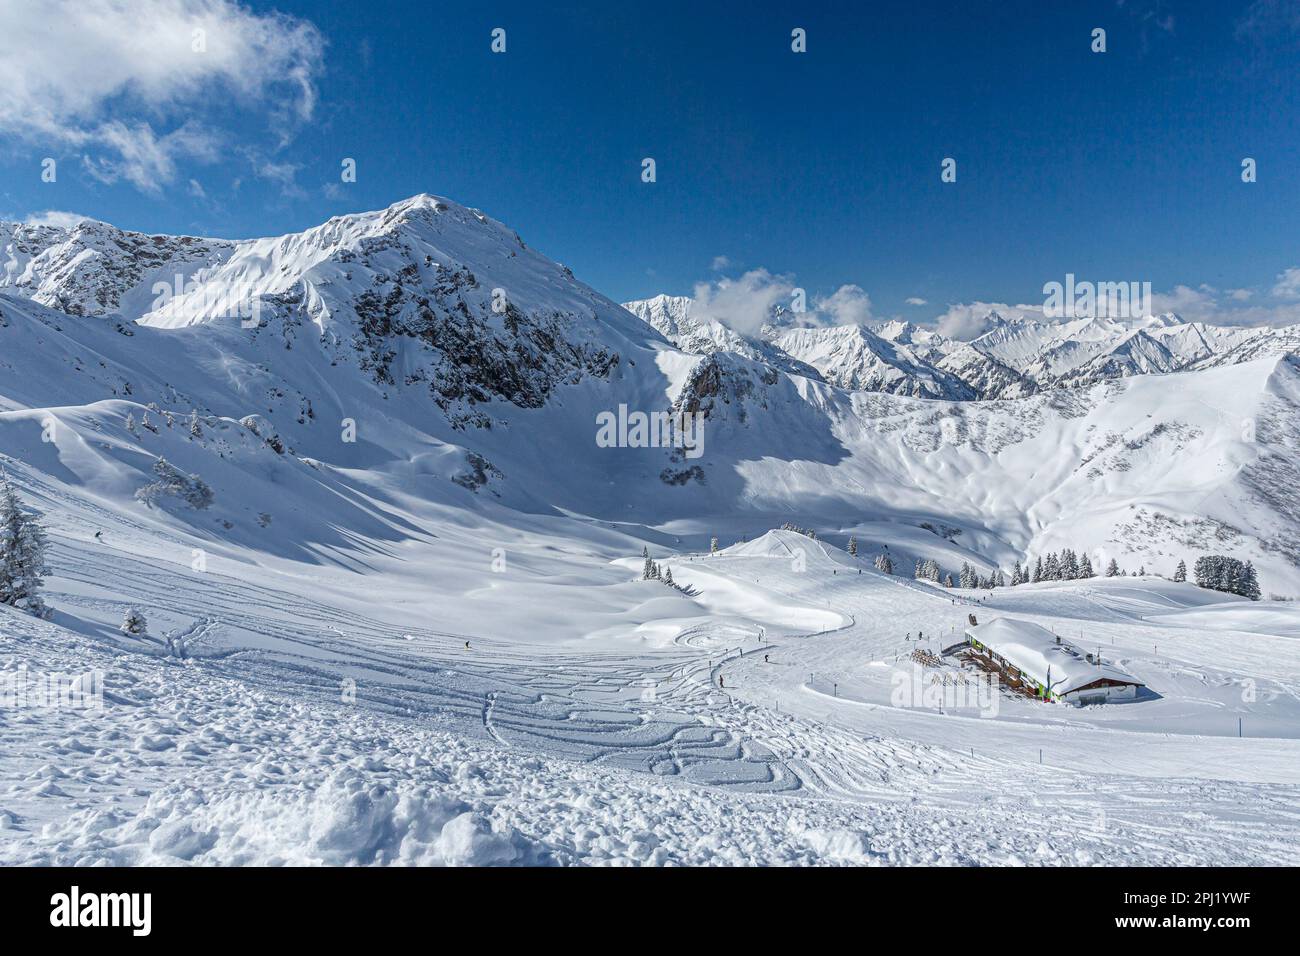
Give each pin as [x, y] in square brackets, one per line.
[1040, 755]
[1238, 726]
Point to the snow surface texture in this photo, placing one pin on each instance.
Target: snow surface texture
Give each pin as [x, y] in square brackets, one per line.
[432, 644]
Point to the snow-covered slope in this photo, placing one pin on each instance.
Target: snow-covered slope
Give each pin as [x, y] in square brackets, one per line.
[408, 494]
[428, 343]
[855, 358]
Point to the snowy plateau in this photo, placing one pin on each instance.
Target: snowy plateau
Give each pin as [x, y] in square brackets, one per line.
[391, 598]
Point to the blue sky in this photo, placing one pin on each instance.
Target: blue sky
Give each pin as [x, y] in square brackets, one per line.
[821, 168]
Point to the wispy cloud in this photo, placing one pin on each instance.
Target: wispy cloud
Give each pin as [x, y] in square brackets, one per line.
[55, 217]
[127, 84]
[1288, 284]
[1275, 306]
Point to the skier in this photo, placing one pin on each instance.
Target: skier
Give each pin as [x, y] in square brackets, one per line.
[99, 536]
[720, 683]
[467, 645]
[765, 660]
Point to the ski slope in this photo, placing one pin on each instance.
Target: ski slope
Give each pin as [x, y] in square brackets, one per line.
[553, 741]
[411, 627]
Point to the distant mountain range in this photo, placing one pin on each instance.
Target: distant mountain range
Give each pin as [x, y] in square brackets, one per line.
[470, 372]
[1013, 358]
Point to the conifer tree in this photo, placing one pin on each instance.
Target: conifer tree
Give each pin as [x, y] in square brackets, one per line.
[1180, 572]
[1249, 583]
[22, 554]
[1052, 567]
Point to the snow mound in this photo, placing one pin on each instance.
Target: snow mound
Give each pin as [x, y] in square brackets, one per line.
[779, 543]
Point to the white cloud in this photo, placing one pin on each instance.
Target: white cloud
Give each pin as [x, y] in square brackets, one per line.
[744, 305]
[967, 320]
[720, 263]
[1204, 303]
[1196, 305]
[1288, 284]
[123, 81]
[283, 173]
[849, 305]
[55, 217]
[915, 300]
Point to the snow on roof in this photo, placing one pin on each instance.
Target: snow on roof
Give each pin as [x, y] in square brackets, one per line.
[1033, 650]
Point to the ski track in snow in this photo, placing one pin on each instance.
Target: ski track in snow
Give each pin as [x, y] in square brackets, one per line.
[243, 751]
[333, 675]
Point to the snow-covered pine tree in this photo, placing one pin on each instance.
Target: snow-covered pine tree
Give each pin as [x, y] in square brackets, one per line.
[191, 489]
[195, 430]
[999, 580]
[1220, 573]
[918, 572]
[647, 568]
[947, 580]
[1112, 569]
[713, 545]
[853, 546]
[884, 564]
[134, 623]
[130, 422]
[1052, 567]
[668, 577]
[1016, 573]
[1069, 565]
[1180, 572]
[1038, 570]
[1208, 572]
[967, 576]
[1249, 583]
[1085, 567]
[22, 554]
